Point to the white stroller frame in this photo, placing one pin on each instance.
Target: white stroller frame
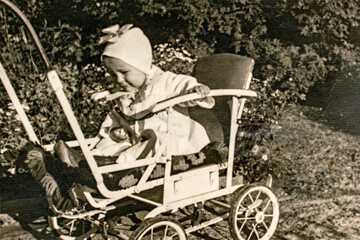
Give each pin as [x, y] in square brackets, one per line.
[208, 176]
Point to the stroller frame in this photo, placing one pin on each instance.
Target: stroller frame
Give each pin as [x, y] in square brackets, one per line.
[208, 175]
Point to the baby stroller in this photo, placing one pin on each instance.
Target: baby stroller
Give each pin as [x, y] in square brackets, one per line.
[168, 199]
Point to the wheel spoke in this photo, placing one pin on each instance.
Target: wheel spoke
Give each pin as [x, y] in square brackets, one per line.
[243, 208]
[251, 233]
[253, 202]
[165, 232]
[71, 222]
[257, 197]
[263, 222]
[246, 218]
[72, 226]
[242, 226]
[172, 236]
[267, 205]
[260, 216]
[256, 232]
[159, 228]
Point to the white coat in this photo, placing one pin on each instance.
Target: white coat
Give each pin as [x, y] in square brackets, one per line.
[174, 128]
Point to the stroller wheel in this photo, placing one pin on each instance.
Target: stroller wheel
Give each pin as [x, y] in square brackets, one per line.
[72, 228]
[254, 213]
[159, 228]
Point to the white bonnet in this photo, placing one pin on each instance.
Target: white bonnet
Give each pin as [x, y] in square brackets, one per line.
[129, 45]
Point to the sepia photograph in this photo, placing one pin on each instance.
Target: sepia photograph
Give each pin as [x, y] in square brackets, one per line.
[179, 119]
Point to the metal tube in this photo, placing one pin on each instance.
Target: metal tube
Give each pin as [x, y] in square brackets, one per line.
[30, 29]
[145, 200]
[206, 224]
[222, 204]
[58, 88]
[233, 130]
[18, 107]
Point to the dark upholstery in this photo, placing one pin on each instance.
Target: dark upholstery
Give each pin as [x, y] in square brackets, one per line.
[223, 70]
[220, 71]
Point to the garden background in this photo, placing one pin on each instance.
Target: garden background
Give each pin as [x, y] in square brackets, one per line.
[298, 45]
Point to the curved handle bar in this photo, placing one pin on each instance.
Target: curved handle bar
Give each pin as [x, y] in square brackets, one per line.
[31, 30]
[193, 96]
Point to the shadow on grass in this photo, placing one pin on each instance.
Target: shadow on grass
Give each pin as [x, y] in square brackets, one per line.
[23, 200]
[338, 102]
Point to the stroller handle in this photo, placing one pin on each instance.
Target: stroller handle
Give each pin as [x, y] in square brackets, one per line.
[194, 96]
[30, 30]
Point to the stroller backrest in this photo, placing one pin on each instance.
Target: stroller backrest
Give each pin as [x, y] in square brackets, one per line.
[224, 70]
[220, 71]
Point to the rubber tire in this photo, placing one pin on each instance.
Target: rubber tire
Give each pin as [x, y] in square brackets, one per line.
[148, 223]
[238, 196]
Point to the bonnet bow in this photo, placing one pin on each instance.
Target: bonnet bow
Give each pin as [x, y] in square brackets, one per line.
[113, 33]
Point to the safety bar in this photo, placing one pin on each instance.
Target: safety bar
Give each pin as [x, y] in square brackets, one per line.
[194, 96]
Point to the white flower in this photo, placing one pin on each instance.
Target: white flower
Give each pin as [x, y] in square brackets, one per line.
[264, 157]
[12, 171]
[255, 149]
[3, 150]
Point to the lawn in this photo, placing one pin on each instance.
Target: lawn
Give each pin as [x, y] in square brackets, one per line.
[316, 176]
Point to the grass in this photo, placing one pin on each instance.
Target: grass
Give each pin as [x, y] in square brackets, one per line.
[316, 176]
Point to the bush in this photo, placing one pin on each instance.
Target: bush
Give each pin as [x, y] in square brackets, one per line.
[294, 43]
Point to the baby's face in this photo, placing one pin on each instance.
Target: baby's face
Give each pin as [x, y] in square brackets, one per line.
[126, 76]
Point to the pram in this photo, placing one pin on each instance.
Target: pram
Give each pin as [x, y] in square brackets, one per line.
[252, 212]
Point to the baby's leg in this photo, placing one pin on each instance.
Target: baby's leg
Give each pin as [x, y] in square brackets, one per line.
[140, 150]
[110, 148]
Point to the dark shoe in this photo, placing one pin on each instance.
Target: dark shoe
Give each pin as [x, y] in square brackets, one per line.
[66, 154]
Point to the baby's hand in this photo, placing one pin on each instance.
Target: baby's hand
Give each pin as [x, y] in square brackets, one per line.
[100, 95]
[203, 90]
[119, 135]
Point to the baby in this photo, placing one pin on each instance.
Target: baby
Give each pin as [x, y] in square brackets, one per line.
[127, 57]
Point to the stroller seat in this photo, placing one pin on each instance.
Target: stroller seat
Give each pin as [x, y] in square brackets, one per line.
[214, 153]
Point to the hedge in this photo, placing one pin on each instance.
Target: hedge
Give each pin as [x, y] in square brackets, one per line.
[295, 43]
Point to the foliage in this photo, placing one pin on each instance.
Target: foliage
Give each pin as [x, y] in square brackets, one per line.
[294, 43]
[26, 72]
[252, 156]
